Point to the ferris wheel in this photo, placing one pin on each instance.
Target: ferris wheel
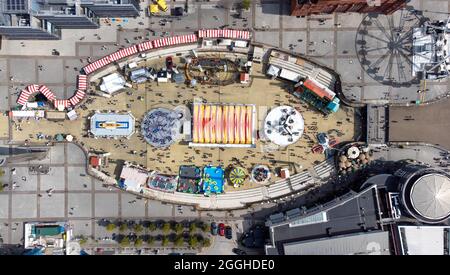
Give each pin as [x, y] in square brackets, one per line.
[384, 46]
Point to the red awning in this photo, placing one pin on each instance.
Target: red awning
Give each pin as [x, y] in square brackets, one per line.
[321, 92]
[82, 82]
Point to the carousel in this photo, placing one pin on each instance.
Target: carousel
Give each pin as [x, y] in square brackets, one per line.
[237, 176]
[260, 174]
[161, 127]
[284, 125]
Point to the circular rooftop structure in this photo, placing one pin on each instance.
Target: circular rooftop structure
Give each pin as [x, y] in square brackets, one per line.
[284, 125]
[430, 196]
[161, 127]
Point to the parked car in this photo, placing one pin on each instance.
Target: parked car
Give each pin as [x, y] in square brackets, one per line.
[239, 251]
[322, 138]
[214, 228]
[228, 232]
[169, 63]
[221, 229]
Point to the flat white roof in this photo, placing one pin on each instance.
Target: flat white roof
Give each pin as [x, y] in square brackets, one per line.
[290, 75]
[373, 243]
[422, 240]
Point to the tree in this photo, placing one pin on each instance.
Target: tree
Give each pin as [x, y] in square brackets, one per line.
[206, 242]
[125, 242]
[166, 227]
[152, 226]
[82, 240]
[179, 228]
[179, 241]
[192, 227]
[245, 4]
[138, 228]
[150, 240]
[206, 228]
[165, 241]
[193, 241]
[110, 227]
[123, 226]
[138, 242]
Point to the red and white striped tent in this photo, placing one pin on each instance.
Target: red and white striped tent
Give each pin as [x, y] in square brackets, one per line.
[225, 33]
[46, 92]
[175, 40]
[23, 97]
[82, 82]
[25, 93]
[145, 46]
[74, 100]
[123, 53]
[33, 88]
[80, 94]
[61, 102]
[97, 65]
[77, 97]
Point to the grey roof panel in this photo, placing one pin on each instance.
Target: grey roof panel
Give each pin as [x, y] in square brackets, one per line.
[373, 243]
[357, 214]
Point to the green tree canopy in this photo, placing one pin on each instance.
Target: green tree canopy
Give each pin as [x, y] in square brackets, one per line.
[206, 228]
[179, 228]
[192, 227]
[245, 4]
[138, 228]
[206, 242]
[151, 240]
[152, 226]
[125, 242]
[123, 227]
[165, 241]
[138, 242]
[166, 227]
[110, 227]
[179, 241]
[193, 241]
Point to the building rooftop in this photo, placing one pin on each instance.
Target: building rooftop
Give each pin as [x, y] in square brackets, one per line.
[424, 240]
[351, 213]
[373, 243]
[430, 196]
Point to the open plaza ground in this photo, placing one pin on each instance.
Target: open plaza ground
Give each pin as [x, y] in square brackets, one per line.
[263, 92]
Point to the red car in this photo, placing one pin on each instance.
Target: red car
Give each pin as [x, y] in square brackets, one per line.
[169, 63]
[221, 229]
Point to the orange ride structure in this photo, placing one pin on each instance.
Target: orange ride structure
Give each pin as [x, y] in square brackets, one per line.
[224, 125]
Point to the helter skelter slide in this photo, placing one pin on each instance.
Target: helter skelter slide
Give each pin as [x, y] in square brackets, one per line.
[224, 125]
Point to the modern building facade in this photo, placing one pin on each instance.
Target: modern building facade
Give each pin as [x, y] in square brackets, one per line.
[308, 7]
[337, 227]
[405, 213]
[44, 19]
